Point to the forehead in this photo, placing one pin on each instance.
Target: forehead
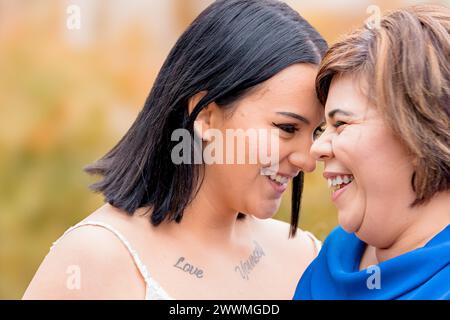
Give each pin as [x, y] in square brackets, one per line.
[347, 92]
[293, 79]
[292, 89]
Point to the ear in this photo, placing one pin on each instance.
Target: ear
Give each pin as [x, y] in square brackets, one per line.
[203, 121]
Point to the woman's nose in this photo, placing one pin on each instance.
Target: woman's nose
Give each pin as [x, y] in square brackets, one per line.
[303, 160]
[321, 148]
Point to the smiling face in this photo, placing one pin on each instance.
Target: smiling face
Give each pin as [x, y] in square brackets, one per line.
[369, 167]
[287, 104]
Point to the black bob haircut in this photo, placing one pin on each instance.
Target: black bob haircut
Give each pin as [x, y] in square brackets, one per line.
[230, 48]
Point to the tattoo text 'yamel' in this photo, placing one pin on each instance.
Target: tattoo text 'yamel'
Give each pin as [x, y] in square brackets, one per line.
[245, 267]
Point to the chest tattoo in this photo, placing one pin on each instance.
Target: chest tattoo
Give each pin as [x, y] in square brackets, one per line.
[245, 267]
[185, 266]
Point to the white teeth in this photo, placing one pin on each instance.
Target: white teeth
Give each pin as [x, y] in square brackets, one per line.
[338, 180]
[279, 179]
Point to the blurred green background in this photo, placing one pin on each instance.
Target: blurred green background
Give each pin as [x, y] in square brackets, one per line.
[66, 97]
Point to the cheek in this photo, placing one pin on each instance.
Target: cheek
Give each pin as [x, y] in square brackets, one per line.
[354, 151]
[245, 190]
[237, 179]
[354, 142]
[382, 162]
[382, 174]
[367, 154]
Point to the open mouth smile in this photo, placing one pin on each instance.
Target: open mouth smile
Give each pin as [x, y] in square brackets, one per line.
[338, 182]
[278, 181]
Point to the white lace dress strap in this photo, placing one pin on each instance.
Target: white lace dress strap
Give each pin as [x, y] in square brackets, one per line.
[317, 243]
[153, 290]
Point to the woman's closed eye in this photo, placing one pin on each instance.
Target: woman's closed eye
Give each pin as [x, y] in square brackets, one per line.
[339, 125]
[286, 127]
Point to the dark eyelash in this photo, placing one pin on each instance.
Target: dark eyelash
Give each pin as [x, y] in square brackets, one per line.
[289, 128]
[337, 124]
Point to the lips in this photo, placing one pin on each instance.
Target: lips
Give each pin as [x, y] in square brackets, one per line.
[279, 181]
[279, 188]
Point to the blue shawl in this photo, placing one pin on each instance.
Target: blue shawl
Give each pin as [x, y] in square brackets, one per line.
[423, 273]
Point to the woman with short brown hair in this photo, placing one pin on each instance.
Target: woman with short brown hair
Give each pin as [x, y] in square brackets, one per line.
[386, 154]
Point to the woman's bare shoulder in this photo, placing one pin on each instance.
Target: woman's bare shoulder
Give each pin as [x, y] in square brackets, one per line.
[303, 244]
[89, 262]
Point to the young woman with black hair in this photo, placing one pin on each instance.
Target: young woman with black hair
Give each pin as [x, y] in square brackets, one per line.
[185, 230]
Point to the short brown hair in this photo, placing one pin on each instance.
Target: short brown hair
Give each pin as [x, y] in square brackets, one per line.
[405, 63]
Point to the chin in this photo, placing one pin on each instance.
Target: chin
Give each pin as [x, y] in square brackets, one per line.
[265, 211]
[349, 223]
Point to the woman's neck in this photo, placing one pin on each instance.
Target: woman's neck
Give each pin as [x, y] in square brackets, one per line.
[208, 219]
[429, 220]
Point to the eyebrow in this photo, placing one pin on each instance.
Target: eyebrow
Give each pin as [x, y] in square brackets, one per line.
[332, 113]
[295, 116]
